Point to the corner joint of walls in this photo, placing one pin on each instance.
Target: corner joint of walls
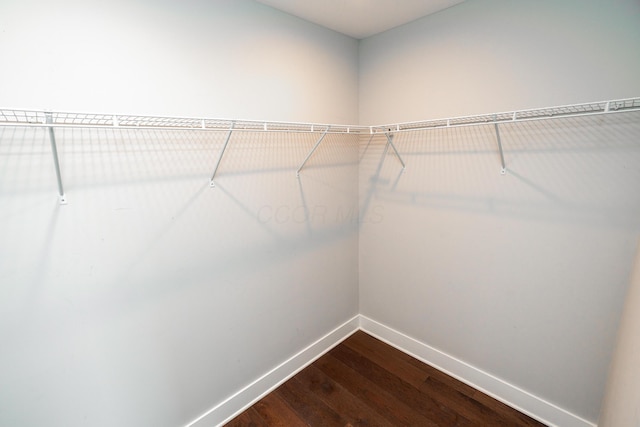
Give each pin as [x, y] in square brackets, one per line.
[497, 388]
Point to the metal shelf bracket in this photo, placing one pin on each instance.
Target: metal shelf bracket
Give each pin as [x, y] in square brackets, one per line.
[56, 162]
[315, 147]
[224, 147]
[503, 171]
[390, 141]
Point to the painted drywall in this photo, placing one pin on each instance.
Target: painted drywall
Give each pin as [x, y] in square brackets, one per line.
[485, 56]
[150, 297]
[620, 407]
[522, 276]
[223, 58]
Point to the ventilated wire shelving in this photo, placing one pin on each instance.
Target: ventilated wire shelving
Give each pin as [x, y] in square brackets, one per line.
[51, 120]
[34, 118]
[574, 110]
[496, 119]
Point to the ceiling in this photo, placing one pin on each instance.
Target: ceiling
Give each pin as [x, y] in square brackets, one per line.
[360, 18]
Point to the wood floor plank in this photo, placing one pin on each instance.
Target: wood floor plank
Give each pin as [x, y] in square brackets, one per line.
[385, 356]
[384, 402]
[249, 418]
[357, 412]
[377, 345]
[275, 412]
[424, 404]
[309, 407]
[511, 416]
[365, 382]
[465, 405]
[507, 412]
[448, 380]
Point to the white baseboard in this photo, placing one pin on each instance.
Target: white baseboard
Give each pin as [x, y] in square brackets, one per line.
[509, 394]
[232, 406]
[501, 390]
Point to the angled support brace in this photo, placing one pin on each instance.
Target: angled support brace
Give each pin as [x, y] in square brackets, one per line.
[56, 162]
[367, 147]
[315, 147]
[390, 140]
[504, 168]
[224, 147]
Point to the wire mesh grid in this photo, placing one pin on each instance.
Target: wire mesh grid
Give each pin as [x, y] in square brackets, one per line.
[18, 117]
[625, 104]
[596, 107]
[156, 122]
[601, 107]
[10, 117]
[428, 124]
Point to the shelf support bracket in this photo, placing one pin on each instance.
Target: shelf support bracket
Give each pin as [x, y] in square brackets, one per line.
[315, 147]
[503, 171]
[390, 141]
[56, 162]
[224, 147]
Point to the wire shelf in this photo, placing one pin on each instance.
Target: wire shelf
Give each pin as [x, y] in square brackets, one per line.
[34, 118]
[21, 117]
[50, 120]
[591, 108]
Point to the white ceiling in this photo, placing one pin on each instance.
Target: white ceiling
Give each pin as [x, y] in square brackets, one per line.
[360, 18]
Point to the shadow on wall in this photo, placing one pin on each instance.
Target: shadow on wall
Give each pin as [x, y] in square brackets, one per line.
[521, 275]
[458, 169]
[151, 186]
[133, 287]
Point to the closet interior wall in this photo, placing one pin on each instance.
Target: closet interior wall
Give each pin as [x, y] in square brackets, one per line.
[194, 58]
[147, 298]
[150, 297]
[521, 275]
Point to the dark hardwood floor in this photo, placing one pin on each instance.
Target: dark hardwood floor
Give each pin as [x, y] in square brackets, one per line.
[365, 382]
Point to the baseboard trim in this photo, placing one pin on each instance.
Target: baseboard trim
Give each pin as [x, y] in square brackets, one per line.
[235, 404]
[497, 388]
[503, 391]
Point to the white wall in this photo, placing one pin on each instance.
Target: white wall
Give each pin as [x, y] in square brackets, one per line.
[487, 56]
[522, 276]
[620, 407]
[222, 58]
[151, 297]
